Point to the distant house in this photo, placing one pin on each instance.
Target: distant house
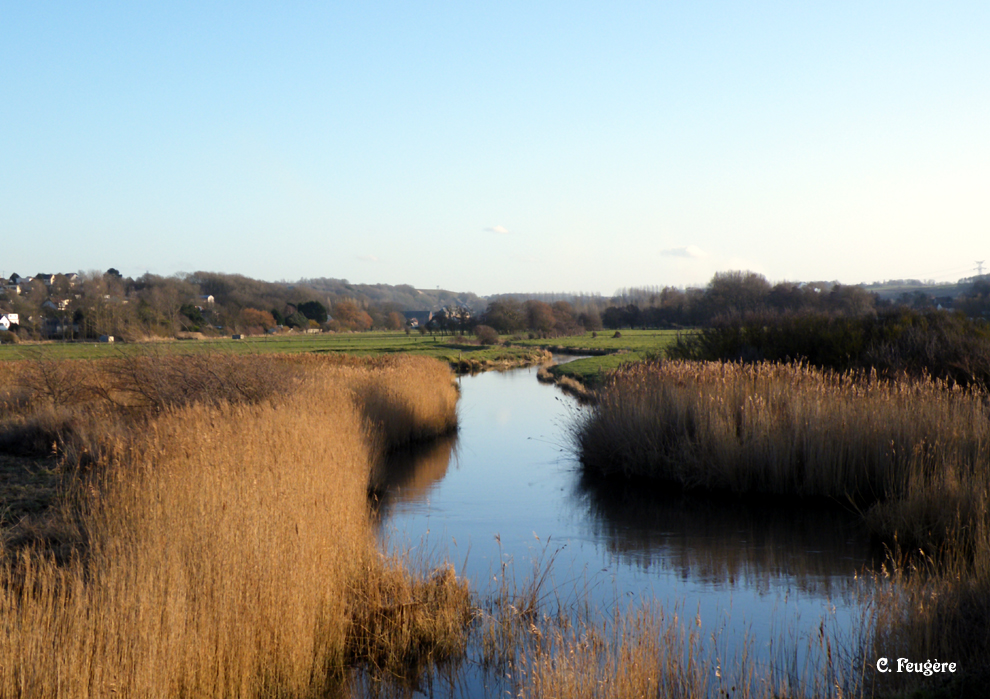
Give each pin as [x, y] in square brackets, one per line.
[56, 304]
[48, 279]
[16, 279]
[57, 327]
[418, 319]
[208, 299]
[8, 319]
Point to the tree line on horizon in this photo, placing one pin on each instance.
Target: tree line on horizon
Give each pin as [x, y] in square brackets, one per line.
[212, 303]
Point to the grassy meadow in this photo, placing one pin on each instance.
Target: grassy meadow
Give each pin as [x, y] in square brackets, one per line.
[608, 352]
[460, 353]
[605, 341]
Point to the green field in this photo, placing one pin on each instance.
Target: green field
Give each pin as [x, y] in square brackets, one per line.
[368, 343]
[631, 346]
[591, 371]
[631, 340]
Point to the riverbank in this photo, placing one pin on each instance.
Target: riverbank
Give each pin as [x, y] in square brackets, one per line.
[601, 353]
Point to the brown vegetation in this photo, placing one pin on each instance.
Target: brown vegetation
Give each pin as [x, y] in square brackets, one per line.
[566, 384]
[223, 545]
[917, 451]
[912, 454]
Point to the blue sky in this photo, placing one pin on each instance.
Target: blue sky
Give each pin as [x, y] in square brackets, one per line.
[497, 147]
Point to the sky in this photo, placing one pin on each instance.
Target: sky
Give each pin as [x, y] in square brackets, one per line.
[497, 147]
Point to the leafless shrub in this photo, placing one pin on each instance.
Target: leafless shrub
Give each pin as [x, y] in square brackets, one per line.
[486, 334]
[160, 381]
[56, 382]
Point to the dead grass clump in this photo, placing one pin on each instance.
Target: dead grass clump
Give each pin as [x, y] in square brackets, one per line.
[646, 654]
[559, 650]
[922, 609]
[566, 384]
[401, 623]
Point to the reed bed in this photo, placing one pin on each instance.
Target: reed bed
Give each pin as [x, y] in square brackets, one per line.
[912, 455]
[915, 451]
[390, 394]
[224, 546]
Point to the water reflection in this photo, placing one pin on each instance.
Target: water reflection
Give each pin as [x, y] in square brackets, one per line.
[410, 474]
[725, 542]
[753, 575]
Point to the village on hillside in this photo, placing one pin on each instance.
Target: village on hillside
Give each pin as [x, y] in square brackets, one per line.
[107, 306]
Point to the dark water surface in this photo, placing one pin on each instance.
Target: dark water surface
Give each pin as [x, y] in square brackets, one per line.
[507, 488]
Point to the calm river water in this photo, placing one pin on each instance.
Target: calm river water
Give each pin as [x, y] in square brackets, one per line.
[507, 488]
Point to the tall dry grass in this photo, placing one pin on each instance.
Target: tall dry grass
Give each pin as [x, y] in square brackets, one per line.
[915, 451]
[225, 550]
[912, 454]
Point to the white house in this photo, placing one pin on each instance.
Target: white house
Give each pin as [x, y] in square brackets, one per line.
[8, 319]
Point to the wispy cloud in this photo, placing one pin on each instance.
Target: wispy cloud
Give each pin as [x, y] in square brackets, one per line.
[367, 258]
[501, 230]
[691, 251]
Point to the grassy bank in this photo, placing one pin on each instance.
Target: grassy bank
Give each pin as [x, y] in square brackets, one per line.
[221, 545]
[608, 349]
[591, 372]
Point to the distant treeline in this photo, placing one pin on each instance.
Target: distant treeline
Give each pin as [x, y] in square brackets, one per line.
[739, 293]
[733, 294]
[728, 294]
[93, 304]
[893, 342]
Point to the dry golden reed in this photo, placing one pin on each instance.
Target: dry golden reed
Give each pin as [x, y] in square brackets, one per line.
[919, 448]
[912, 454]
[227, 551]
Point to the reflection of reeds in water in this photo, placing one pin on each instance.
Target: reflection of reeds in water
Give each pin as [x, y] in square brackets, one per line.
[725, 541]
[409, 474]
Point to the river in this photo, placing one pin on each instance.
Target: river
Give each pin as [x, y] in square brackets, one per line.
[507, 489]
